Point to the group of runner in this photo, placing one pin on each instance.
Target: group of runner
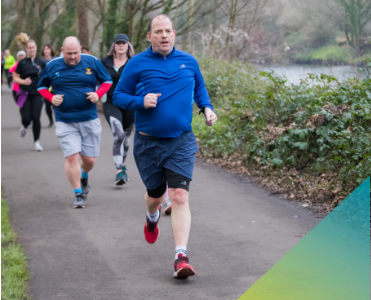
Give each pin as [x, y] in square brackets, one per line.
[26, 71]
[155, 89]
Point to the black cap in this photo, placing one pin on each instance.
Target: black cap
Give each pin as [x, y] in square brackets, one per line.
[121, 37]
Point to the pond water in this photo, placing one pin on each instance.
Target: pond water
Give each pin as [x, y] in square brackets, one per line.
[294, 73]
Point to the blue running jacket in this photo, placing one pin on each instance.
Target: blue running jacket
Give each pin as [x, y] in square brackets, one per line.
[177, 77]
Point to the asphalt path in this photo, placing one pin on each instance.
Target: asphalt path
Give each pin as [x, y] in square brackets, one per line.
[238, 230]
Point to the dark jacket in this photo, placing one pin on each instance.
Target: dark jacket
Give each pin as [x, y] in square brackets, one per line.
[108, 64]
[33, 69]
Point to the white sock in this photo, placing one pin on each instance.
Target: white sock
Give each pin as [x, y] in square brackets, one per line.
[180, 250]
[154, 217]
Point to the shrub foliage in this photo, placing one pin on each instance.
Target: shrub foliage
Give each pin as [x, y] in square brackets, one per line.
[321, 126]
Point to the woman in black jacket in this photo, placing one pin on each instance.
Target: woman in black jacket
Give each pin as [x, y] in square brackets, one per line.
[120, 120]
[27, 75]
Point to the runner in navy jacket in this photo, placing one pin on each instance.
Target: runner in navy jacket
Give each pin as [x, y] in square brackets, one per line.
[161, 84]
[74, 78]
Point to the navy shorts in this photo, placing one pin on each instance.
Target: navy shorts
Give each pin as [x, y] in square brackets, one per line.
[153, 155]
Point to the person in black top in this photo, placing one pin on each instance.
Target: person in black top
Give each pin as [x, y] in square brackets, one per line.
[120, 120]
[27, 75]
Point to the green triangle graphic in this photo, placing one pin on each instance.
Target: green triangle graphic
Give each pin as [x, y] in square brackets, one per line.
[332, 262]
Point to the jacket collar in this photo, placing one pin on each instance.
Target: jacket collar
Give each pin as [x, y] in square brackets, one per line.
[29, 58]
[109, 61]
[158, 54]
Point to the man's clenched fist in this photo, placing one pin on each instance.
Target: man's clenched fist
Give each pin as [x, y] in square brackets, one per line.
[57, 100]
[93, 97]
[210, 116]
[150, 100]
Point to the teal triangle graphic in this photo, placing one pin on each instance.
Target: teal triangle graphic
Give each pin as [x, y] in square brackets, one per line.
[332, 262]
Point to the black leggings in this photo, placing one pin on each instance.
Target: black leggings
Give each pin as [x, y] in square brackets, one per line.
[48, 109]
[9, 77]
[2, 72]
[14, 93]
[121, 122]
[31, 111]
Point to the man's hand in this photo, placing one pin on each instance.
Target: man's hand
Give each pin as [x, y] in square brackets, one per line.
[93, 97]
[27, 81]
[57, 100]
[210, 116]
[150, 100]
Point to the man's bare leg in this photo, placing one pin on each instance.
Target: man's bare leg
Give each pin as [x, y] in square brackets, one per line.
[153, 203]
[72, 168]
[87, 163]
[180, 215]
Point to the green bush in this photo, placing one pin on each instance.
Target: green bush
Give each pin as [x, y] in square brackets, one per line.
[319, 126]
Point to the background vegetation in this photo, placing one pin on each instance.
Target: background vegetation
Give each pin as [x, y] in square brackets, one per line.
[258, 31]
[310, 141]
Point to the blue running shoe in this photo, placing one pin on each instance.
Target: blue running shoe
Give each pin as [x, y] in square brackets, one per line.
[122, 177]
[79, 201]
[166, 207]
[85, 186]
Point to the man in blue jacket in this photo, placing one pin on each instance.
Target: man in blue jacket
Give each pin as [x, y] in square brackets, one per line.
[161, 84]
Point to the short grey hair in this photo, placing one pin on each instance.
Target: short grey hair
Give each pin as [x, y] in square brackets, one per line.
[21, 53]
[162, 15]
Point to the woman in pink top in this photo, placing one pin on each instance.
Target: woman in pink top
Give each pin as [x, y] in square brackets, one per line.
[20, 55]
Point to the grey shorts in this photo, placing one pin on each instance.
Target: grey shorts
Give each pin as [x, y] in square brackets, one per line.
[82, 137]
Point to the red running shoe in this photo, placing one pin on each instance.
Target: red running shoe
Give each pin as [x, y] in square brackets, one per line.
[182, 269]
[151, 230]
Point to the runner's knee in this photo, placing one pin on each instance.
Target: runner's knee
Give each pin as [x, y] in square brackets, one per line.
[72, 159]
[26, 121]
[88, 160]
[157, 192]
[127, 141]
[119, 137]
[178, 196]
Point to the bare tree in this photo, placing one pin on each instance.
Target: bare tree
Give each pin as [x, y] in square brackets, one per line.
[186, 38]
[357, 15]
[83, 29]
[21, 6]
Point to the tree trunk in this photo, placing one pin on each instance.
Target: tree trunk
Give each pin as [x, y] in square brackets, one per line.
[21, 15]
[129, 9]
[83, 23]
[176, 15]
[110, 21]
[141, 27]
[186, 45]
[232, 19]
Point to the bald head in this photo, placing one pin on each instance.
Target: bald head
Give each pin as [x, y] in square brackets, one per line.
[71, 40]
[159, 17]
[71, 51]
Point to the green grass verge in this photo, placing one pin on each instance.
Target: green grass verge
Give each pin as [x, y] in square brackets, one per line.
[344, 54]
[334, 53]
[14, 274]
